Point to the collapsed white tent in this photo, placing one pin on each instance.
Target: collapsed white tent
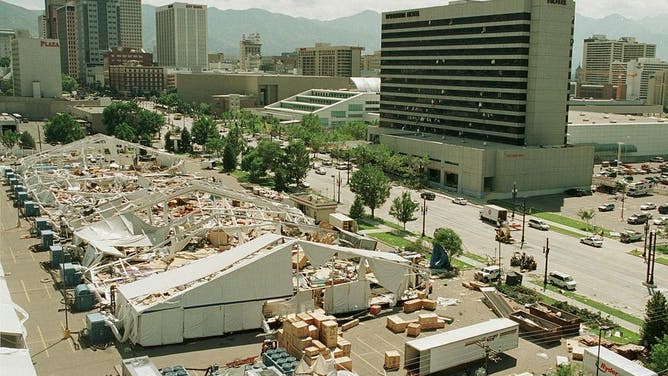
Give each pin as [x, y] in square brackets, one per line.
[220, 294]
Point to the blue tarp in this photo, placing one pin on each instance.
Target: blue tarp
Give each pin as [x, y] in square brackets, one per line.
[439, 258]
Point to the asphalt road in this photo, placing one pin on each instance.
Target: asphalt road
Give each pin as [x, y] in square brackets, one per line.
[608, 275]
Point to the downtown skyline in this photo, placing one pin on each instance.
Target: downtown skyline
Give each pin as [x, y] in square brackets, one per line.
[330, 10]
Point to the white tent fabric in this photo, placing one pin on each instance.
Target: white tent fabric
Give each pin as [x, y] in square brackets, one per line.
[347, 297]
[392, 276]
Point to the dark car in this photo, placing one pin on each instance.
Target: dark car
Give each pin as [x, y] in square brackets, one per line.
[639, 219]
[577, 192]
[663, 208]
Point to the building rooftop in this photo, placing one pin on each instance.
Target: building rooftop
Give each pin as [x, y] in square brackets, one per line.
[586, 118]
[91, 109]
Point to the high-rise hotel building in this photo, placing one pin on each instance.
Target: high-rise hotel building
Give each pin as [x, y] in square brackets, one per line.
[481, 88]
[181, 36]
[489, 70]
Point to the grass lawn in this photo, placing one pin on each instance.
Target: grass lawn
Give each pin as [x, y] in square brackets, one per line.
[569, 222]
[365, 226]
[565, 232]
[461, 265]
[660, 260]
[475, 257]
[594, 304]
[392, 239]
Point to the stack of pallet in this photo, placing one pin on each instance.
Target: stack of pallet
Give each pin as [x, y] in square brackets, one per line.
[392, 360]
[310, 334]
[429, 321]
[418, 304]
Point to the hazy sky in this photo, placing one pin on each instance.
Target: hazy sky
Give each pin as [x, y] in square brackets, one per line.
[329, 9]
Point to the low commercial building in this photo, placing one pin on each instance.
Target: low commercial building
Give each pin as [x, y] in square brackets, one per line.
[8, 123]
[634, 137]
[135, 80]
[231, 102]
[316, 207]
[36, 67]
[488, 170]
[266, 88]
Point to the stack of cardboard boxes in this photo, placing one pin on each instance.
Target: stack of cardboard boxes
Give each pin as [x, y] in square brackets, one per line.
[310, 334]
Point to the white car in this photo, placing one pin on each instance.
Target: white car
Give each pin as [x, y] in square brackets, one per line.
[593, 240]
[660, 221]
[306, 184]
[648, 206]
[539, 224]
[460, 201]
[321, 171]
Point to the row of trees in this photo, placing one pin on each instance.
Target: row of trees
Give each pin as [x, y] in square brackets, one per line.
[129, 122]
[63, 128]
[24, 140]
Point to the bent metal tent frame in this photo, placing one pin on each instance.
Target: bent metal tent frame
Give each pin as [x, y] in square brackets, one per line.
[226, 292]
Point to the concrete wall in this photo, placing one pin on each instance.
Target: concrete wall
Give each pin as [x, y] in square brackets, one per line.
[651, 139]
[40, 108]
[199, 87]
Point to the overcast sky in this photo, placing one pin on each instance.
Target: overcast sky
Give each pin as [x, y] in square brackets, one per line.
[329, 9]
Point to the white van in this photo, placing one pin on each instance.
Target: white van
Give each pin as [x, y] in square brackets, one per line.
[562, 280]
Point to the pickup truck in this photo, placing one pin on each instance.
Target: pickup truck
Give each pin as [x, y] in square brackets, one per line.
[488, 273]
[630, 236]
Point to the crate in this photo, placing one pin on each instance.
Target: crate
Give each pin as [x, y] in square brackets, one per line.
[392, 360]
[413, 329]
[412, 305]
[428, 304]
[329, 330]
[343, 363]
[396, 324]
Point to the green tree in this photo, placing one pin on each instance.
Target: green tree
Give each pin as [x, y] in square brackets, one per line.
[449, 240]
[186, 142]
[5, 61]
[371, 184]
[9, 139]
[215, 145]
[125, 132]
[118, 113]
[169, 143]
[586, 215]
[357, 208]
[270, 153]
[26, 141]
[69, 83]
[296, 162]
[63, 128]
[403, 208]
[655, 326]
[280, 178]
[147, 123]
[229, 158]
[203, 129]
[658, 358]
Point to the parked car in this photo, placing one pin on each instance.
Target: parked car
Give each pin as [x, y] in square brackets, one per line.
[657, 159]
[639, 218]
[460, 201]
[660, 221]
[606, 207]
[305, 184]
[593, 240]
[539, 224]
[562, 280]
[321, 171]
[663, 208]
[648, 206]
[577, 192]
[326, 162]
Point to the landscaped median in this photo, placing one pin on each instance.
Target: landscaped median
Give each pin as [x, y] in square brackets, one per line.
[659, 259]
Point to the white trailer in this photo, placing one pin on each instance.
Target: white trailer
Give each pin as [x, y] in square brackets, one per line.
[611, 364]
[460, 346]
[493, 213]
[342, 222]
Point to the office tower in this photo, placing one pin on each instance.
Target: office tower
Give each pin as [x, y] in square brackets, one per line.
[41, 26]
[50, 8]
[250, 54]
[130, 20]
[657, 89]
[36, 67]
[6, 36]
[97, 25]
[327, 60]
[67, 35]
[181, 36]
[638, 74]
[599, 54]
[489, 70]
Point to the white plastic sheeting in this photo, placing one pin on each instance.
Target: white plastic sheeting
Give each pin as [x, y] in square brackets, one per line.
[347, 297]
[219, 294]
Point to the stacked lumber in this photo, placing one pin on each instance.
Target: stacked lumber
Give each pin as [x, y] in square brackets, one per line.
[412, 305]
[430, 321]
[396, 324]
[429, 304]
[310, 334]
[350, 324]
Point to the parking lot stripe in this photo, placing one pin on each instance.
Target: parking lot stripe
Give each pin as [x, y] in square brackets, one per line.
[370, 365]
[369, 346]
[25, 291]
[69, 340]
[391, 345]
[13, 255]
[47, 290]
[46, 349]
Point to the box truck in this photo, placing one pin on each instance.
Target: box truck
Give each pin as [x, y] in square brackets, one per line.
[460, 346]
[611, 364]
[494, 214]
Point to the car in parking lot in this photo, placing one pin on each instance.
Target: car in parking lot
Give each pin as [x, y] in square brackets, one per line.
[321, 171]
[539, 224]
[593, 240]
[639, 218]
[606, 207]
[648, 206]
[663, 208]
[578, 192]
[660, 221]
[562, 280]
[657, 159]
[460, 201]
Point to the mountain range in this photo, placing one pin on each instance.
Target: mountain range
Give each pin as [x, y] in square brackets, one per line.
[283, 33]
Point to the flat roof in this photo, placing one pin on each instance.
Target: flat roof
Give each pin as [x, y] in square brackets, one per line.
[587, 118]
[462, 333]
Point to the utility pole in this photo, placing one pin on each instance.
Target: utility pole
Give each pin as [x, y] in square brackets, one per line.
[338, 182]
[651, 257]
[524, 214]
[424, 213]
[348, 167]
[546, 251]
[644, 248]
[499, 260]
[514, 192]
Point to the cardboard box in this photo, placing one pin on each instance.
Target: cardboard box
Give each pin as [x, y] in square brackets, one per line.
[396, 324]
[313, 331]
[412, 305]
[305, 317]
[311, 351]
[392, 360]
[321, 346]
[429, 304]
[337, 352]
[344, 345]
[343, 363]
[427, 318]
[350, 324]
[413, 329]
[300, 329]
[329, 330]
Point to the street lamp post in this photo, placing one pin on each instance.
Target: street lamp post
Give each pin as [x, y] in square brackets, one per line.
[333, 188]
[339, 184]
[424, 213]
[598, 355]
[514, 192]
[524, 212]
